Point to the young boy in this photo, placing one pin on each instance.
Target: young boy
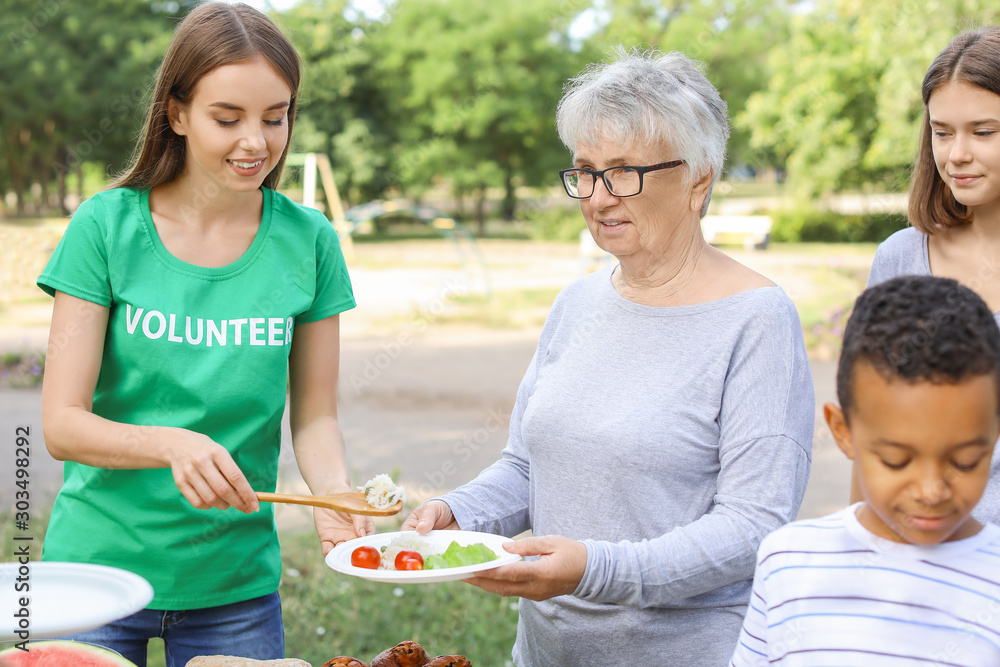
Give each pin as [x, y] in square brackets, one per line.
[907, 576]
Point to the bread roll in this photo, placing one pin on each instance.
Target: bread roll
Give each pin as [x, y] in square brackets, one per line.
[344, 661]
[404, 654]
[449, 661]
[233, 661]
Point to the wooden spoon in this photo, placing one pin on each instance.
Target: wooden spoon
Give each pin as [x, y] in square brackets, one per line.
[352, 502]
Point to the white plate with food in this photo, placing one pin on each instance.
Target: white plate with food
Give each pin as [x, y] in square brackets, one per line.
[65, 598]
[444, 562]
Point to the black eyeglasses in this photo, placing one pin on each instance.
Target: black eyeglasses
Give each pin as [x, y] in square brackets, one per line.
[624, 181]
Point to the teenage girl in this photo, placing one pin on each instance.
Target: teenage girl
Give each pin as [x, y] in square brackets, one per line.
[189, 298]
[954, 204]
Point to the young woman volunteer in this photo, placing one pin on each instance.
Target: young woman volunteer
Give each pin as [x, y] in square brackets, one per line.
[189, 298]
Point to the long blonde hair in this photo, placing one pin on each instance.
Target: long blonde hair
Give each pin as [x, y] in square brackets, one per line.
[210, 36]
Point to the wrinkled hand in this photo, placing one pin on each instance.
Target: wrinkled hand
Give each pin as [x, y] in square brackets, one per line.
[558, 571]
[432, 515]
[206, 474]
[336, 527]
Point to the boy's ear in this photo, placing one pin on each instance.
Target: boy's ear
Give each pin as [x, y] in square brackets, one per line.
[175, 117]
[838, 427]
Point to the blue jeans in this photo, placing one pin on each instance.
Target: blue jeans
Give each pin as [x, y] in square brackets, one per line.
[249, 629]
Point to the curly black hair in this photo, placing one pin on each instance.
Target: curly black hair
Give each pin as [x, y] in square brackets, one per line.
[919, 329]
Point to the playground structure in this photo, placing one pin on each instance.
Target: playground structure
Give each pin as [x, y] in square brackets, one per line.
[311, 163]
[348, 222]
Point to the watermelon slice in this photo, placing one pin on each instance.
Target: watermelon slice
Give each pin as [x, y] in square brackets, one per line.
[61, 653]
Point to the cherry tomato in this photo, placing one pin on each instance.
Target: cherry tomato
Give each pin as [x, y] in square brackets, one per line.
[367, 557]
[409, 560]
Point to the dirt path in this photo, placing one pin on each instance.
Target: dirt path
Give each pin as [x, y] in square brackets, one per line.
[434, 417]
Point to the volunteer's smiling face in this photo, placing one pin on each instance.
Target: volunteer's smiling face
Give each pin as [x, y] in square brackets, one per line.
[965, 137]
[922, 453]
[644, 223]
[235, 125]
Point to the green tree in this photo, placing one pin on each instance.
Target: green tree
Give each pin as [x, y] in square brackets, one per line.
[732, 39]
[341, 110]
[73, 87]
[842, 106]
[473, 89]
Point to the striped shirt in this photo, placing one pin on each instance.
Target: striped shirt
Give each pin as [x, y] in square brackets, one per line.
[828, 592]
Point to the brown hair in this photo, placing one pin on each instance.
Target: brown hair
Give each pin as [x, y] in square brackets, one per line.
[972, 57]
[210, 36]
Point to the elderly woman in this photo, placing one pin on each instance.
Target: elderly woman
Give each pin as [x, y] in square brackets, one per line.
[664, 425]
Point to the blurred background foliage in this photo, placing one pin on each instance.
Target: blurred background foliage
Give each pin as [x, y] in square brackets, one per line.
[456, 99]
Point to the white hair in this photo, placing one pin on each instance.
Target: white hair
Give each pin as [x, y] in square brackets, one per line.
[645, 98]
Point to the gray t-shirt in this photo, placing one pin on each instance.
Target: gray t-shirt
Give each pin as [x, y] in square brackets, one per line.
[905, 254]
[670, 440]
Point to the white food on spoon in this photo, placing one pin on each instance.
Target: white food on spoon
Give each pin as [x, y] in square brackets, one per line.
[381, 492]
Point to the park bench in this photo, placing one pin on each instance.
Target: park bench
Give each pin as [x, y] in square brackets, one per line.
[750, 231]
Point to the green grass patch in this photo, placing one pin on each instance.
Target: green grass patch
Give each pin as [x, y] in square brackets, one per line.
[38, 522]
[30, 223]
[373, 262]
[22, 369]
[824, 249]
[825, 310]
[327, 614]
[509, 309]
[505, 309]
[397, 234]
[155, 657]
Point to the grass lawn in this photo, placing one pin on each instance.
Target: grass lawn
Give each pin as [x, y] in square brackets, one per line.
[327, 614]
[829, 250]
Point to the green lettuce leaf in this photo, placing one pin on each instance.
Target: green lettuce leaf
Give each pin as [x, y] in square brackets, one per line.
[457, 556]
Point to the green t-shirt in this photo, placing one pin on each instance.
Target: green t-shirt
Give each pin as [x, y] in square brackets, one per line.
[199, 348]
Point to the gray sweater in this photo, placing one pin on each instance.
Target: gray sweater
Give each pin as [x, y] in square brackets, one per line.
[670, 441]
[905, 254]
